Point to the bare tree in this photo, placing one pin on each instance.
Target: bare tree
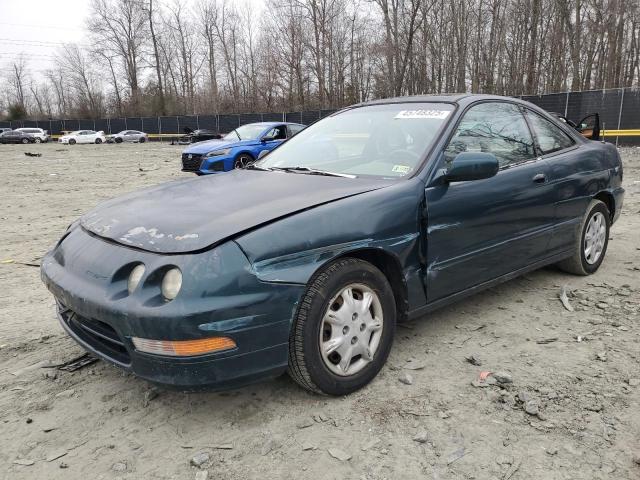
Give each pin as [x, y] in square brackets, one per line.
[120, 26]
[173, 57]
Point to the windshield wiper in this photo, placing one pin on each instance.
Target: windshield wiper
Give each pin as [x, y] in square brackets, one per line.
[312, 171]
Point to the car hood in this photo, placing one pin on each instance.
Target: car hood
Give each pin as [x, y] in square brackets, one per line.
[195, 214]
[211, 145]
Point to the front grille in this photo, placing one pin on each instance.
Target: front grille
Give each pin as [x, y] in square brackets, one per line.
[99, 335]
[191, 164]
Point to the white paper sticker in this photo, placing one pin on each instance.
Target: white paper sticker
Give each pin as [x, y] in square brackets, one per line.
[439, 114]
[401, 169]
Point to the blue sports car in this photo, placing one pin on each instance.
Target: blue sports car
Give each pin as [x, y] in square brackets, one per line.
[238, 148]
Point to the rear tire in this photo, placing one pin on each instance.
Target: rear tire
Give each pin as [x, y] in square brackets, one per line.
[38, 140]
[98, 141]
[142, 140]
[314, 363]
[25, 141]
[591, 244]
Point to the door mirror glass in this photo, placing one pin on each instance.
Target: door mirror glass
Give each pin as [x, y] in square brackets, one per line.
[468, 166]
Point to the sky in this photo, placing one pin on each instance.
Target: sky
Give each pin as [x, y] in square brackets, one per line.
[39, 27]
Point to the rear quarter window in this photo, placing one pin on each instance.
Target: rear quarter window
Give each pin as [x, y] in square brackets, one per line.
[550, 137]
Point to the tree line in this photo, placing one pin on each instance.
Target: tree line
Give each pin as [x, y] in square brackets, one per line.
[170, 57]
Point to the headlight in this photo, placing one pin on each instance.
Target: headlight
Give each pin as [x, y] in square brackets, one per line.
[134, 277]
[218, 153]
[171, 283]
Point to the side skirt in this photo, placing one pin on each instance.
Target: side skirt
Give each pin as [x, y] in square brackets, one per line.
[430, 307]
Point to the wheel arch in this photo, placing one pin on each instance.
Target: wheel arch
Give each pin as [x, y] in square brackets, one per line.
[608, 199]
[390, 267]
[244, 152]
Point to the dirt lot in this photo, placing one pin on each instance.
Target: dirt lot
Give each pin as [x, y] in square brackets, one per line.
[580, 370]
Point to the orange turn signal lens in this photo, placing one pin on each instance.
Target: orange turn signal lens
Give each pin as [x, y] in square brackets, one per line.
[183, 348]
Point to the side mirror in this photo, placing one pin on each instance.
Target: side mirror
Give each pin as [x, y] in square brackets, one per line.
[263, 153]
[468, 166]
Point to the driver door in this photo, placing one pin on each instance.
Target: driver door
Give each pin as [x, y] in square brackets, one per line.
[273, 138]
[482, 229]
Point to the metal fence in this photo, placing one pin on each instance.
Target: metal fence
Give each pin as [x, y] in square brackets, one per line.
[170, 125]
[619, 109]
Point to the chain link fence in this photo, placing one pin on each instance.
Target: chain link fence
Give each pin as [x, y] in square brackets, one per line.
[619, 110]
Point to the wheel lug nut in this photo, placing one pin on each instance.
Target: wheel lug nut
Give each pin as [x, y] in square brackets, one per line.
[362, 327]
[354, 316]
[345, 330]
[354, 340]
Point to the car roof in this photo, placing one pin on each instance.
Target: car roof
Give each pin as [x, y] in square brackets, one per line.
[271, 124]
[458, 98]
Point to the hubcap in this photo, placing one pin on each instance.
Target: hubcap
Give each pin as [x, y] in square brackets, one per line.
[351, 329]
[594, 238]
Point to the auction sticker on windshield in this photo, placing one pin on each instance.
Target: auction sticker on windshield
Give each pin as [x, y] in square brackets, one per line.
[440, 114]
[401, 169]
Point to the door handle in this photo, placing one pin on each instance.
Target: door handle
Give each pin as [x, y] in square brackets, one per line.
[540, 178]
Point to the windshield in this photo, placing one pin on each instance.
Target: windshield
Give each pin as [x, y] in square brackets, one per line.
[379, 140]
[245, 132]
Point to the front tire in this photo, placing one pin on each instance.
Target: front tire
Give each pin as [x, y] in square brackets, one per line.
[98, 141]
[343, 330]
[242, 160]
[591, 245]
[142, 140]
[38, 140]
[72, 141]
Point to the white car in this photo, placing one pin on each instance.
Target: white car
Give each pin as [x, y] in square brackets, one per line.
[39, 134]
[83, 136]
[130, 136]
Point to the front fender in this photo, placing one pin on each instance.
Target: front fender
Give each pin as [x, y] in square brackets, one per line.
[292, 249]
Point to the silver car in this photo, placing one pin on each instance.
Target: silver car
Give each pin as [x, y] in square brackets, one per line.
[130, 136]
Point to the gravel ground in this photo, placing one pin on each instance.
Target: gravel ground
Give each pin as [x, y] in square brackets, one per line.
[570, 410]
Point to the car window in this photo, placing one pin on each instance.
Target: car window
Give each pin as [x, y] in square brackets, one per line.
[293, 129]
[386, 140]
[250, 131]
[493, 127]
[550, 137]
[277, 133]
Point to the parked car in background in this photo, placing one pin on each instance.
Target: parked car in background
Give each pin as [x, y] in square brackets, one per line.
[305, 260]
[5, 129]
[39, 134]
[238, 148]
[588, 127]
[16, 136]
[199, 135]
[129, 136]
[83, 136]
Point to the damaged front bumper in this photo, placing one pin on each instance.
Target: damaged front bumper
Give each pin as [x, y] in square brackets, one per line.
[220, 296]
